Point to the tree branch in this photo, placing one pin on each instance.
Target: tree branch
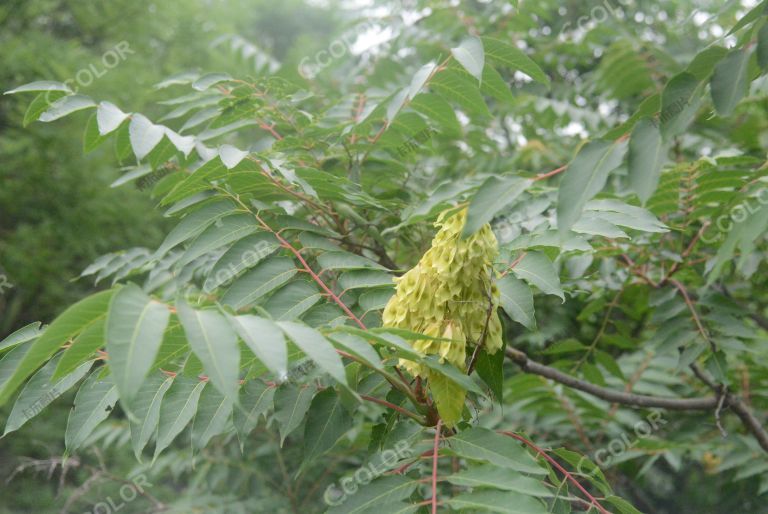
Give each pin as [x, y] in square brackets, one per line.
[750, 422]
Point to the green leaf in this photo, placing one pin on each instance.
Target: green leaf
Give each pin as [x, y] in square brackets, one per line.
[266, 341]
[585, 177]
[41, 85]
[22, 335]
[215, 344]
[449, 398]
[680, 100]
[316, 347]
[243, 255]
[39, 105]
[146, 409]
[291, 405]
[495, 194]
[220, 233]
[647, 154]
[484, 445]
[730, 82]
[144, 135]
[346, 260]
[516, 299]
[762, 47]
[65, 106]
[500, 478]
[72, 321]
[109, 117]
[458, 86]
[490, 368]
[420, 78]
[494, 85]
[382, 492]
[536, 268]
[93, 403]
[360, 279]
[194, 223]
[470, 54]
[40, 391]
[134, 331]
[514, 58]
[11, 360]
[177, 410]
[256, 398]
[497, 501]
[326, 423]
[212, 418]
[267, 276]
[293, 300]
[440, 111]
[82, 348]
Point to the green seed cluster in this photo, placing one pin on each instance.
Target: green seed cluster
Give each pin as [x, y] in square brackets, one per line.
[446, 295]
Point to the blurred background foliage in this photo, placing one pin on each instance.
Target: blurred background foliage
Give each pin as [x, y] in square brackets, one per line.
[58, 213]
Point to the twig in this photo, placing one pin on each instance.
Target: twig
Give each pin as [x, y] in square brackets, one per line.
[434, 465]
[592, 500]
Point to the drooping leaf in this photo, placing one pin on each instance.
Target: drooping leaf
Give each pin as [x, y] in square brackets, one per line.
[585, 177]
[265, 339]
[71, 322]
[646, 157]
[40, 391]
[146, 408]
[176, 410]
[326, 423]
[134, 330]
[93, 403]
[291, 405]
[215, 344]
[470, 54]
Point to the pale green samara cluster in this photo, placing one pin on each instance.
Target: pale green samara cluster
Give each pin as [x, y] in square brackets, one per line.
[449, 295]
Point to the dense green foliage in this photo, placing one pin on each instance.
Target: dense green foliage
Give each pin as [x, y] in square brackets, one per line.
[615, 155]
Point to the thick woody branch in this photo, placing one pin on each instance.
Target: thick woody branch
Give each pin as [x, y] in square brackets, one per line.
[750, 422]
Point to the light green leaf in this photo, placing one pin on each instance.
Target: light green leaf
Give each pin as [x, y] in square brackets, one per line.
[514, 58]
[449, 398]
[470, 54]
[256, 398]
[134, 330]
[382, 492]
[84, 345]
[585, 177]
[495, 194]
[267, 276]
[266, 341]
[485, 445]
[177, 410]
[291, 405]
[214, 342]
[243, 255]
[66, 105]
[221, 232]
[420, 78]
[144, 135]
[22, 335]
[536, 268]
[146, 408]
[40, 391]
[212, 418]
[326, 423]
[500, 478]
[41, 85]
[647, 154]
[293, 300]
[316, 347]
[440, 111]
[93, 403]
[109, 117]
[730, 82]
[516, 299]
[497, 501]
[71, 322]
[194, 223]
